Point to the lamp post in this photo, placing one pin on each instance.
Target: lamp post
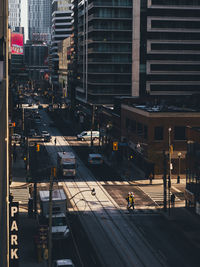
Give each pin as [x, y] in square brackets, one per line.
[169, 178]
[179, 167]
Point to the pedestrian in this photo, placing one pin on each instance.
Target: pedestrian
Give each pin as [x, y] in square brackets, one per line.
[173, 200]
[132, 200]
[55, 141]
[127, 199]
[150, 178]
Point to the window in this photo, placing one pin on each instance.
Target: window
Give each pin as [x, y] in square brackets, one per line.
[145, 132]
[139, 128]
[158, 133]
[133, 126]
[127, 123]
[179, 133]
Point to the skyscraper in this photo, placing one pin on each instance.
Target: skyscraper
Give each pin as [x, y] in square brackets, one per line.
[166, 47]
[18, 15]
[61, 29]
[104, 50]
[39, 20]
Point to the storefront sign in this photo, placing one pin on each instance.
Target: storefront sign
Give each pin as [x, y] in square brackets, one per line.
[14, 243]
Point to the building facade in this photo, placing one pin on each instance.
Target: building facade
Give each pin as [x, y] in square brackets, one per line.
[36, 60]
[61, 29]
[192, 192]
[104, 50]
[166, 53]
[150, 130]
[18, 16]
[39, 22]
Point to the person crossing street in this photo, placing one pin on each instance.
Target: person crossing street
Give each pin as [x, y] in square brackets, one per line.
[130, 201]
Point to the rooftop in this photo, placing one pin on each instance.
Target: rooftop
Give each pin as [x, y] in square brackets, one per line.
[164, 108]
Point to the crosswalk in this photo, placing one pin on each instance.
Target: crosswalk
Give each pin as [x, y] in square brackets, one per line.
[20, 195]
[156, 194]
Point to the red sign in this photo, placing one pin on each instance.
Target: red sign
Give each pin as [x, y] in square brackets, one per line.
[17, 44]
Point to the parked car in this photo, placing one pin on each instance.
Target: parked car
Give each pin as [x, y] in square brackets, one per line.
[63, 263]
[86, 135]
[95, 159]
[16, 137]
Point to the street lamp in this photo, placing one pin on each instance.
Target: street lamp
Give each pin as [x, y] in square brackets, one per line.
[179, 167]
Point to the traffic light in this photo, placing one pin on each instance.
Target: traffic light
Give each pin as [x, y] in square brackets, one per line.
[115, 146]
[53, 171]
[171, 149]
[38, 148]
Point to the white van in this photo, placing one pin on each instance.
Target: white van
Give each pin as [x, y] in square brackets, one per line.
[86, 135]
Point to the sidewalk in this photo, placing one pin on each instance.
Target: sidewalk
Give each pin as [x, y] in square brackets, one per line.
[27, 226]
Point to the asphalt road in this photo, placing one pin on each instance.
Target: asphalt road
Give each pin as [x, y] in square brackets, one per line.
[165, 239]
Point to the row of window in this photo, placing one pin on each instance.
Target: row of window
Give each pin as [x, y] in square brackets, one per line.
[137, 128]
[142, 130]
[176, 2]
[178, 46]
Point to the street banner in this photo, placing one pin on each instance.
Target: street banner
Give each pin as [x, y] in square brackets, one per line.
[17, 44]
[13, 236]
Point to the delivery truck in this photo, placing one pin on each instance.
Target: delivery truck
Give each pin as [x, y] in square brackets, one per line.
[60, 229]
[66, 164]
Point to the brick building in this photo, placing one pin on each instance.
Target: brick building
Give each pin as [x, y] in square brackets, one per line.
[146, 130]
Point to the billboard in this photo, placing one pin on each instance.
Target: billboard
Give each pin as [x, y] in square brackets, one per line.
[17, 46]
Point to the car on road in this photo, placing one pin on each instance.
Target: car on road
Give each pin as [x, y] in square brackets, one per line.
[40, 107]
[46, 136]
[86, 135]
[32, 133]
[16, 137]
[95, 159]
[37, 121]
[63, 263]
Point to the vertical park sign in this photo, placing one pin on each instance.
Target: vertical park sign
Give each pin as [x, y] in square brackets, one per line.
[14, 243]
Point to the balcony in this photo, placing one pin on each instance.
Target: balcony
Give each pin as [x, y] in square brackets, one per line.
[94, 28]
[121, 4]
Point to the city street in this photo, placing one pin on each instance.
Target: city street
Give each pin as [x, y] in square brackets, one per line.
[103, 232]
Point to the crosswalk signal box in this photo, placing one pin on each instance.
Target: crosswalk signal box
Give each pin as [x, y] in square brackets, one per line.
[115, 146]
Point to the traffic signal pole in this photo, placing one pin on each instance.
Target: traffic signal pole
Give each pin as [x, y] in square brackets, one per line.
[50, 221]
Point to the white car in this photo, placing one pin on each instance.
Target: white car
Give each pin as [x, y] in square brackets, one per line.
[86, 135]
[63, 263]
[95, 159]
[16, 137]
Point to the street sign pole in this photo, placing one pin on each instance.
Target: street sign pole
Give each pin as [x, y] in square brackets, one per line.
[164, 182]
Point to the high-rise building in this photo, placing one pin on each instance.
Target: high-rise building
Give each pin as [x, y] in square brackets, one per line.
[104, 50]
[39, 20]
[166, 47]
[61, 29]
[18, 16]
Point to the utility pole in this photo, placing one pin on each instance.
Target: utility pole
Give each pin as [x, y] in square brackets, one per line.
[164, 182]
[53, 174]
[92, 123]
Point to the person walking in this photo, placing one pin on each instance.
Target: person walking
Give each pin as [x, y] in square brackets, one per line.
[55, 141]
[150, 178]
[132, 200]
[127, 199]
[173, 200]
